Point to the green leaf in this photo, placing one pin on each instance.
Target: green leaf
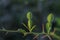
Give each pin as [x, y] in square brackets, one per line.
[29, 24]
[22, 31]
[58, 21]
[29, 15]
[50, 17]
[48, 27]
[33, 27]
[25, 25]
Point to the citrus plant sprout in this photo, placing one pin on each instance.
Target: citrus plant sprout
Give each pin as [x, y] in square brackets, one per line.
[50, 19]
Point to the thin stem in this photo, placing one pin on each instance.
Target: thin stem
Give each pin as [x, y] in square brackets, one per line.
[43, 28]
[36, 36]
[33, 28]
[8, 30]
[58, 37]
[34, 33]
[25, 25]
[19, 31]
[44, 36]
[49, 37]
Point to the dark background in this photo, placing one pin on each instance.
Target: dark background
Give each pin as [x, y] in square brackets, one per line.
[13, 14]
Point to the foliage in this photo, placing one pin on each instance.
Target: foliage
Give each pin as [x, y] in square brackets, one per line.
[58, 21]
[49, 34]
[29, 27]
[50, 19]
